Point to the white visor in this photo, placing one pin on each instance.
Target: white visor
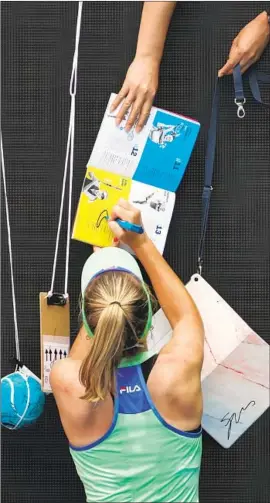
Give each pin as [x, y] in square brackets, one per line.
[108, 259]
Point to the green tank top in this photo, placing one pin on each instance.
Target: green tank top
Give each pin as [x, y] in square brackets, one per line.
[141, 458]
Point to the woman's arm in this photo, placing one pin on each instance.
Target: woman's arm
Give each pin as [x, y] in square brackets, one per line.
[181, 311]
[187, 342]
[172, 295]
[141, 82]
[155, 21]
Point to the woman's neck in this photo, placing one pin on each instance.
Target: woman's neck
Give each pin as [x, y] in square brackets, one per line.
[82, 346]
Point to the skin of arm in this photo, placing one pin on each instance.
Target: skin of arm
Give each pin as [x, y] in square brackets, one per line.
[177, 304]
[141, 82]
[156, 17]
[177, 372]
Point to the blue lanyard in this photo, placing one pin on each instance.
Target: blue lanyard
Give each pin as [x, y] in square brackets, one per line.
[255, 78]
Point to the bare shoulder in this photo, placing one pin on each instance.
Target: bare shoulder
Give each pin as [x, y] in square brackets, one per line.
[64, 375]
[177, 371]
[175, 387]
[185, 350]
[173, 372]
[75, 413]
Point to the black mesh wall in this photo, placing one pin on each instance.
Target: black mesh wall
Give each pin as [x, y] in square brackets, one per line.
[37, 51]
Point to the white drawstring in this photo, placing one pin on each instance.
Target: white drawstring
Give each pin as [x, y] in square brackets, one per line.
[17, 344]
[70, 157]
[69, 150]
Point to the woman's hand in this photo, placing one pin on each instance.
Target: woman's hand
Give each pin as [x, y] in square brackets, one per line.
[138, 92]
[249, 45]
[125, 211]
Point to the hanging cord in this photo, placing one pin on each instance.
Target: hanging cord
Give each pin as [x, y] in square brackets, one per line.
[70, 158]
[17, 344]
[254, 79]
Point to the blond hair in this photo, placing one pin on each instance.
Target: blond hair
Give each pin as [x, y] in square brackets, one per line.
[116, 308]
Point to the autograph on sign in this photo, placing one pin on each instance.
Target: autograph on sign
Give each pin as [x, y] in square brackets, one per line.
[234, 417]
[104, 215]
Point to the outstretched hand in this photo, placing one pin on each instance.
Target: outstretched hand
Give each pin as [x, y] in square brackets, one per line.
[248, 45]
[138, 92]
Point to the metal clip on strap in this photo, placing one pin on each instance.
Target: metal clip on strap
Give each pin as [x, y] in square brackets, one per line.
[240, 110]
[239, 99]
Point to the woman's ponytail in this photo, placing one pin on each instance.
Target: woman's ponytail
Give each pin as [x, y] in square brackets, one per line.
[97, 372]
[116, 308]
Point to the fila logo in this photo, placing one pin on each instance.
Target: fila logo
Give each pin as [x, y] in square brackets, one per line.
[129, 389]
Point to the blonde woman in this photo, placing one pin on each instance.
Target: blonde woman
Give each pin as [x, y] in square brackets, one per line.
[133, 418]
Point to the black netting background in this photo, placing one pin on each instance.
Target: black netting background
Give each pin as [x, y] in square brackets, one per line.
[37, 50]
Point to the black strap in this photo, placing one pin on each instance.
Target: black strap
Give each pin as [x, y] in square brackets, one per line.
[254, 79]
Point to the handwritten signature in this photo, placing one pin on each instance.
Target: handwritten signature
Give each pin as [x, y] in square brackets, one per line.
[235, 417]
[104, 215]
